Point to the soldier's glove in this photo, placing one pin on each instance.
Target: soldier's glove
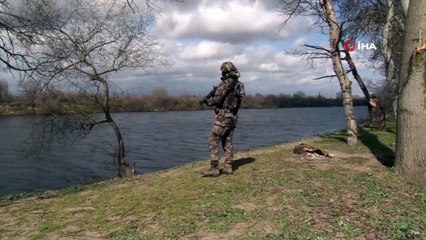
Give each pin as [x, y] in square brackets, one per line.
[203, 101]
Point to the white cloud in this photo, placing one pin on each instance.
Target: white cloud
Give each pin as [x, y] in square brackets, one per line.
[300, 41]
[205, 50]
[233, 21]
[270, 67]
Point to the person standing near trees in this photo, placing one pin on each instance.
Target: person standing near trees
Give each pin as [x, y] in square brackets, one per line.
[376, 112]
[373, 103]
[226, 97]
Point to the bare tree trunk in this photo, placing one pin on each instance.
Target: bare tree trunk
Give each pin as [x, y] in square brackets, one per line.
[345, 83]
[355, 73]
[411, 128]
[121, 158]
[393, 36]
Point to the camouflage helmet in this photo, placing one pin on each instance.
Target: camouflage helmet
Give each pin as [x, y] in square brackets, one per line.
[228, 67]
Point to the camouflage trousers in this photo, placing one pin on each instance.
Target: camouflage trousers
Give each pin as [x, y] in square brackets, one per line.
[377, 117]
[221, 135]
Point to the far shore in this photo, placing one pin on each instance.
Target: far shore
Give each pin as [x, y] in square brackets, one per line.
[22, 109]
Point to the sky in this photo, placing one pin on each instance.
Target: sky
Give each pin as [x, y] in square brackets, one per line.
[199, 35]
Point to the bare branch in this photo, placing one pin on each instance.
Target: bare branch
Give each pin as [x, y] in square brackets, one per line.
[293, 11]
[311, 53]
[331, 76]
[317, 48]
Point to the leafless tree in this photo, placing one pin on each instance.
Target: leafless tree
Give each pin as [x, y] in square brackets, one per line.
[345, 84]
[379, 22]
[382, 23]
[393, 37]
[82, 43]
[326, 19]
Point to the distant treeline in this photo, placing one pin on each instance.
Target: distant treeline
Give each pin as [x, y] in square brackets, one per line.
[287, 101]
[159, 100]
[191, 102]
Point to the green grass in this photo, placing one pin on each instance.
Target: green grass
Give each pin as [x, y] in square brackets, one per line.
[271, 196]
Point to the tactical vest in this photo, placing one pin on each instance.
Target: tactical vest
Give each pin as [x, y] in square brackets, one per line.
[232, 101]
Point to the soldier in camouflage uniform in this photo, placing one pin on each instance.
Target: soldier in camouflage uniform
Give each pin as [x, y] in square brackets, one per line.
[376, 112]
[227, 100]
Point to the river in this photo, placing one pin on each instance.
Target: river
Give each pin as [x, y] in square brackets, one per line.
[154, 141]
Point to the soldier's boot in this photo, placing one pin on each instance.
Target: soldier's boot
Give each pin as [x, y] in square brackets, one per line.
[227, 169]
[213, 171]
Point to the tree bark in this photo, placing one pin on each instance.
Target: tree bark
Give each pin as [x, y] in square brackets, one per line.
[405, 4]
[411, 128]
[345, 83]
[122, 165]
[393, 36]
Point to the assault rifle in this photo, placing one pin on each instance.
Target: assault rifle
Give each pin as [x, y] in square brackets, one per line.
[213, 91]
[209, 95]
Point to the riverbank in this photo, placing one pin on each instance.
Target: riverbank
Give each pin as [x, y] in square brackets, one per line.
[272, 195]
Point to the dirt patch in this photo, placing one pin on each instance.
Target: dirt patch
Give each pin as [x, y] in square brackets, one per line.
[202, 236]
[365, 162]
[83, 236]
[240, 230]
[246, 206]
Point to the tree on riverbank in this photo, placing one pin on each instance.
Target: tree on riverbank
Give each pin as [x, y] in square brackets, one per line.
[325, 15]
[83, 42]
[380, 22]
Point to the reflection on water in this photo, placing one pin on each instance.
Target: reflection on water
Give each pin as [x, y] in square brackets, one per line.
[154, 140]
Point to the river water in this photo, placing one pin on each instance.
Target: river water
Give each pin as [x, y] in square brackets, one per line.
[154, 141]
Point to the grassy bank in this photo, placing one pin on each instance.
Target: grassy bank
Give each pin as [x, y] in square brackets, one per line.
[272, 195]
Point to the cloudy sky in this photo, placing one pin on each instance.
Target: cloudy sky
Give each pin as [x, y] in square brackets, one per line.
[199, 35]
